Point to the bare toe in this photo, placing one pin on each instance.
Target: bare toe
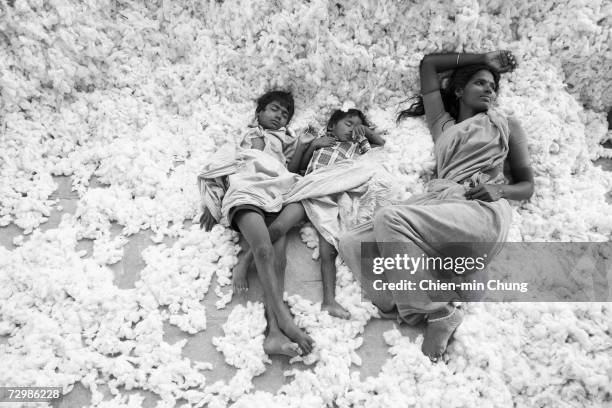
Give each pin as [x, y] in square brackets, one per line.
[297, 335]
[279, 344]
[438, 333]
[336, 310]
[240, 284]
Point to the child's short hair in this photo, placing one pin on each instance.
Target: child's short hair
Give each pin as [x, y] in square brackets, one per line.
[338, 115]
[284, 98]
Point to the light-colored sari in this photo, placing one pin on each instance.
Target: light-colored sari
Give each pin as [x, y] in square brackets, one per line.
[467, 154]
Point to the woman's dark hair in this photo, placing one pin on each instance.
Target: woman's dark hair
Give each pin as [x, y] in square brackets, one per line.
[458, 79]
[338, 115]
[284, 98]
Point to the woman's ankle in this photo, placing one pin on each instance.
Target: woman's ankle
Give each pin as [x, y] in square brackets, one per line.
[443, 313]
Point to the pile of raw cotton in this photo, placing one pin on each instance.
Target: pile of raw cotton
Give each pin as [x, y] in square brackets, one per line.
[138, 95]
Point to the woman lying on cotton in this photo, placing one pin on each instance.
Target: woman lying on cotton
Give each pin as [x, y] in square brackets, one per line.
[477, 150]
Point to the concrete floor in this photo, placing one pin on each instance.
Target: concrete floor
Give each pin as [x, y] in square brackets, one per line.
[303, 277]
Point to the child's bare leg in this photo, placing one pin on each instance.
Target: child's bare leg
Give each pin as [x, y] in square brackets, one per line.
[239, 273]
[287, 219]
[276, 342]
[328, 275]
[253, 227]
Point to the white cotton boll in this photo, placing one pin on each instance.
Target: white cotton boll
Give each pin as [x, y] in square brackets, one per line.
[201, 365]
[109, 252]
[6, 328]
[242, 344]
[225, 299]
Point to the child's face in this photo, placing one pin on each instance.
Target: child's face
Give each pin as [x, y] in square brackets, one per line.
[274, 116]
[343, 129]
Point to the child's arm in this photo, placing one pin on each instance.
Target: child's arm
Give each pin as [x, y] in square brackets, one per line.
[258, 143]
[373, 136]
[323, 141]
[296, 161]
[253, 139]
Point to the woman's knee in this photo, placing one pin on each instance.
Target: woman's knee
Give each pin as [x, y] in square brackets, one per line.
[384, 219]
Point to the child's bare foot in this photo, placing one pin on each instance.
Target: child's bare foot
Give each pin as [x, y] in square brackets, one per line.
[288, 326]
[239, 277]
[277, 343]
[438, 332]
[335, 309]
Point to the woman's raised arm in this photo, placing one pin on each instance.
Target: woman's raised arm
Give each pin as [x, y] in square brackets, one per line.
[432, 64]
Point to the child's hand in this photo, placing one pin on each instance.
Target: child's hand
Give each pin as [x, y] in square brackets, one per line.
[361, 131]
[380, 132]
[324, 141]
[309, 135]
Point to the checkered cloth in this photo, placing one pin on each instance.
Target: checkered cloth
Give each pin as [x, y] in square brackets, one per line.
[340, 151]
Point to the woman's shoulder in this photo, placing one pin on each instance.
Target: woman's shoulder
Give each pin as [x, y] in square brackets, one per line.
[505, 114]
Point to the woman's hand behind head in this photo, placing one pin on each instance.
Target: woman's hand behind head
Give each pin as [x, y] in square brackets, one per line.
[502, 61]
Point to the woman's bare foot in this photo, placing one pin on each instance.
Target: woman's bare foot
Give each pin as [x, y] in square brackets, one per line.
[288, 326]
[438, 332]
[335, 309]
[277, 343]
[239, 276]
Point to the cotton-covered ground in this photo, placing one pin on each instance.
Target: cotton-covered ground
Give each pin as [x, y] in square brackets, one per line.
[139, 96]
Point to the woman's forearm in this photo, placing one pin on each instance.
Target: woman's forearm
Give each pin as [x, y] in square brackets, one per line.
[432, 64]
[444, 62]
[522, 190]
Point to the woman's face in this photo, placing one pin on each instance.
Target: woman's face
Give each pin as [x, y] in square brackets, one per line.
[343, 129]
[274, 116]
[479, 93]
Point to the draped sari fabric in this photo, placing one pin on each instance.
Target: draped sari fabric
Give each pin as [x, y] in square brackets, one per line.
[467, 154]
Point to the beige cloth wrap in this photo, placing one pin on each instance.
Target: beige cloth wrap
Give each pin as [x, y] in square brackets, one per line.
[242, 175]
[467, 154]
[338, 197]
